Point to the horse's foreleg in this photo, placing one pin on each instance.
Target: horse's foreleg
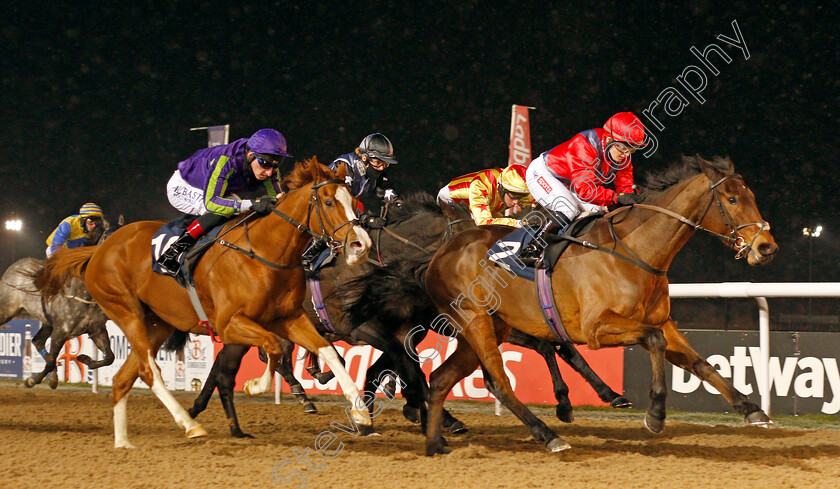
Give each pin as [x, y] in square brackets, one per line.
[40, 341]
[655, 343]
[563, 410]
[681, 354]
[103, 343]
[572, 356]
[303, 332]
[223, 376]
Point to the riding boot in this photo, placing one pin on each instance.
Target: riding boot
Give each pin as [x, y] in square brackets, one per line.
[168, 261]
[311, 253]
[532, 254]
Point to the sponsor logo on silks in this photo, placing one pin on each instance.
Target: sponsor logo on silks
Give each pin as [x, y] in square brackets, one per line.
[814, 378]
[544, 184]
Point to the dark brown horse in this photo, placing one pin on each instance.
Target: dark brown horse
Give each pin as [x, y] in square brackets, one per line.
[247, 301]
[603, 300]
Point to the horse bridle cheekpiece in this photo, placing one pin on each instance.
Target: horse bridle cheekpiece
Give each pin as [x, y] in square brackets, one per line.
[327, 236]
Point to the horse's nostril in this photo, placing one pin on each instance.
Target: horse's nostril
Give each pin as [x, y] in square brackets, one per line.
[766, 249]
[356, 245]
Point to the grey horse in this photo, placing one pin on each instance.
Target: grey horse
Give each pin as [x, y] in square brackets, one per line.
[68, 316]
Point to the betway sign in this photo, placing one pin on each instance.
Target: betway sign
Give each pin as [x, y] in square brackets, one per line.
[804, 373]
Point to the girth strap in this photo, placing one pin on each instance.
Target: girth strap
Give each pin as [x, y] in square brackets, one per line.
[318, 303]
[547, 307]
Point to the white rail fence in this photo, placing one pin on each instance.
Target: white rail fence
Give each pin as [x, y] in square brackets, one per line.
[760, 292]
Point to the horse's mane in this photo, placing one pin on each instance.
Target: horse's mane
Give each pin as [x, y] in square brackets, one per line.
[413, 205]
[686, 168]
[303, 173]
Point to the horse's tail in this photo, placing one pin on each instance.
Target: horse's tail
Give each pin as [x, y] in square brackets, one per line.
[61, 267]
[176, 341]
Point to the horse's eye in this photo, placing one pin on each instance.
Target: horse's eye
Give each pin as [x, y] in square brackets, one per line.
[732, 200]
[328, 203]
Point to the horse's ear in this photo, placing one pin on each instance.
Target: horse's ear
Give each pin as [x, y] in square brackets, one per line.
[717, 168]
[314, 169]
[121, 220]
[449, 211]
[341, 174]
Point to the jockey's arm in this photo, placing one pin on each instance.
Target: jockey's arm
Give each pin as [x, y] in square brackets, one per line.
[586, 180]
[60, 236]
[214, 200]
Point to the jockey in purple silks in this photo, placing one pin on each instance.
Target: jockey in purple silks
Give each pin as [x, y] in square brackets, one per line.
[207, 183]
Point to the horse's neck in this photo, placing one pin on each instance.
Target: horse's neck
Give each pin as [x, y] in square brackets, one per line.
[657, 237]
[424, 231]
[269, 239]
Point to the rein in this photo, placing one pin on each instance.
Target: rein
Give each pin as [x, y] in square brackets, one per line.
[734, 239]
[327, 235]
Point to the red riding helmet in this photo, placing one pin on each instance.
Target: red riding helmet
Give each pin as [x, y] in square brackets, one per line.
[626, 128]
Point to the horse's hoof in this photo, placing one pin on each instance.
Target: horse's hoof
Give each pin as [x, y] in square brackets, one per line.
[310, 408]
[564, 415]
[367, 430]
[654, 425]
[458, 428]
[247, 388]
[297, 390]
[29, 382]
[557, 445]
[325, 377]
[760, 419]
[411, 413]
[52, 381]
[196, 431]
[433, 449]
[621, 402]
[123, 444]
[84, 359]
[240, 434]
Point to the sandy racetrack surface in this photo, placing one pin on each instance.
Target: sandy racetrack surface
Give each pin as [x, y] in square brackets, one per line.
[64, 438]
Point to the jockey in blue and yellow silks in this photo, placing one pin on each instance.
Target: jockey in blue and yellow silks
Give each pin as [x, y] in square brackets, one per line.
[76, 230]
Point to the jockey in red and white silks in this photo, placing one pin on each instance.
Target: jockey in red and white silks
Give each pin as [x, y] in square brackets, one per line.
[571, 178]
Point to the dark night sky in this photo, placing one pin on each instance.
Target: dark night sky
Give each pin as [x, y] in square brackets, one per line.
[97, 102]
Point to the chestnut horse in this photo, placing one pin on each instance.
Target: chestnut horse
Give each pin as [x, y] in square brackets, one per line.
[603, 299]
[248, 301]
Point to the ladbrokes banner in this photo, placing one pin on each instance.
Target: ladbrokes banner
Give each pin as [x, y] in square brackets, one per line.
[520, 137]
[526, 370]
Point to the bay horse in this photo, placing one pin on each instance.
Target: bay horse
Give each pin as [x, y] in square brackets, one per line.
[67, 316]
[380, 305]
[603, 299]
[251, 288]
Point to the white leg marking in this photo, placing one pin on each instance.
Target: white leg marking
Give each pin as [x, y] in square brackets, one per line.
[179, 413]
[259, 385]
[121, 424]
[348, 387]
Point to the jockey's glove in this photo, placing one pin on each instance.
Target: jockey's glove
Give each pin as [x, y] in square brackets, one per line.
[371, 222]
[622, 198]
[264, 205]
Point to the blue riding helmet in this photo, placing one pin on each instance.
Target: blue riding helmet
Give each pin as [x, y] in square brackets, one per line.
[268, 142]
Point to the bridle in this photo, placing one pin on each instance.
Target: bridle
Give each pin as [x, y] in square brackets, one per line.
[327, 232]
[734, 239]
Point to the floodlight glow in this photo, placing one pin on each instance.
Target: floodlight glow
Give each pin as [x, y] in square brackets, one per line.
[14, 225]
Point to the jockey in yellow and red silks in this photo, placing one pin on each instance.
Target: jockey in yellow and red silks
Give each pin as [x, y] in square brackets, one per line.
[76, 230]
[489, 193]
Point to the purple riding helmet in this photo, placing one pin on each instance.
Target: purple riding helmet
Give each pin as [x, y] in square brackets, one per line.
[268, 141]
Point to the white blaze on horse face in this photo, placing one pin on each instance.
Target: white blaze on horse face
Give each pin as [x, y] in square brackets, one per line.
[353, 256]
[179, 413]
[121, 424]
[351, 392]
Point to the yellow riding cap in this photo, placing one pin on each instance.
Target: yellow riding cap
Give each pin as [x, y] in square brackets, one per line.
[90, 210]
[513, 179]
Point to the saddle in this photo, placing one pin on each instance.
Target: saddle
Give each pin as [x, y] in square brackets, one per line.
[168, 233]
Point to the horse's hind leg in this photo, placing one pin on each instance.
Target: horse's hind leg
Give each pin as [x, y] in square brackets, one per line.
[223, 376]
[285, 369]
[572, 356]
[145, 341]
[56, 343]
[103, 343]
[40, 340]
[459, 365]
[680, 353]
